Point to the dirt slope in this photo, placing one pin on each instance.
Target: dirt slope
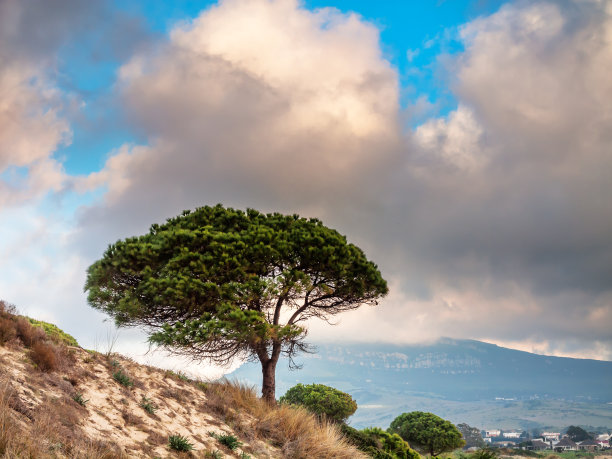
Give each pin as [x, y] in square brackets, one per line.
[114, 413]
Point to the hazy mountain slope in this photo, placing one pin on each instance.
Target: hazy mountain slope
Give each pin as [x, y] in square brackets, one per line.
[459, 379]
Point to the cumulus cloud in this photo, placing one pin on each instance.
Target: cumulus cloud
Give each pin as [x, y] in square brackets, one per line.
[258, 103]
[491, 223]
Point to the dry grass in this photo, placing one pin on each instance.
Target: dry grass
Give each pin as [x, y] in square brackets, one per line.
[44, 356]
[51, 433]
[40, 419]
[297, 432]
[28, 334]
[7, 330]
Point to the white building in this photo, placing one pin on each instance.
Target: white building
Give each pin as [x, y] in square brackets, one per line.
[551, 436]
[512, 434]
[492, 433]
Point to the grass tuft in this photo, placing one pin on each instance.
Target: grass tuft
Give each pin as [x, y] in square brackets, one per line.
[78, 397]
[179, 443]
[148, 405]
[123, 378]
[228, 440]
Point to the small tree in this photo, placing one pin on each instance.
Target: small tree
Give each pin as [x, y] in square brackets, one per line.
[577, 433]
[220, 284]
[322, 400]
[471, 435]
[427, 432]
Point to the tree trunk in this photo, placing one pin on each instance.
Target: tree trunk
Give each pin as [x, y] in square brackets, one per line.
[268, 387]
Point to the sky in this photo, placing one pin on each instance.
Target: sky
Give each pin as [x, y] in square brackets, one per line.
[465, 146]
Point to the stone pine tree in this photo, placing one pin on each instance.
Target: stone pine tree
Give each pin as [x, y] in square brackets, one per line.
[219, 284]
[427, 432]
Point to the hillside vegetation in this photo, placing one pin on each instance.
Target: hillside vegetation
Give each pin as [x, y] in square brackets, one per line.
[61, 401]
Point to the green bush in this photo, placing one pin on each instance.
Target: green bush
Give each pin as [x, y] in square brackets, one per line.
[179, 443]
[123, 379]
[322, 400]
[427, 432]
[379, 444]
[54, 332]
[228, 440]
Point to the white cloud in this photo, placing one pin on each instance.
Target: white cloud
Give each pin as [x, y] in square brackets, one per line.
[30, 132]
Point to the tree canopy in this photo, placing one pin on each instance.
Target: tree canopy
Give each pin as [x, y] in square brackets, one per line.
[218, 283]
[577, 433]
[427, 432]
[471, 435]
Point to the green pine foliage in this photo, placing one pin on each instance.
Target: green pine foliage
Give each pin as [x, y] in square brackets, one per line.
[216, 283]
[379, 444]
[427, 432]
[322, 400]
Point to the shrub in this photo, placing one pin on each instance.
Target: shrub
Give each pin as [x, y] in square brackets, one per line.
[7, 330]
[27, 333]
[44, 356]
[321, 400]
[123, 379]
[179, 443]
[379, 444]
[54, 332]
[428, 432]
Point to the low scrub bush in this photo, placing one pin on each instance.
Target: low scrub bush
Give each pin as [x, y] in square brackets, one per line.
[123, 378]
[179, 443]
[379, 444]
[28, 334]
[55, 333]
[7, 330]
[7, 309]
[322, 400]
[44, 356]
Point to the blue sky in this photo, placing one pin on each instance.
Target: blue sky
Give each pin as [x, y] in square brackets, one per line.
[463, 144]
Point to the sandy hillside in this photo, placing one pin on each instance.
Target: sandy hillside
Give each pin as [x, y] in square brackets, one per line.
[114, 413]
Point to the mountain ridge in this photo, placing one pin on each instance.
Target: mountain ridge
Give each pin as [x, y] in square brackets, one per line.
[468, 375]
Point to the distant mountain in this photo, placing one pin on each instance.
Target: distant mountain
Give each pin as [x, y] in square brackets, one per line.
[463, 380]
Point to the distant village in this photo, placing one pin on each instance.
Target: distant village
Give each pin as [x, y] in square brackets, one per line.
[553, 441]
